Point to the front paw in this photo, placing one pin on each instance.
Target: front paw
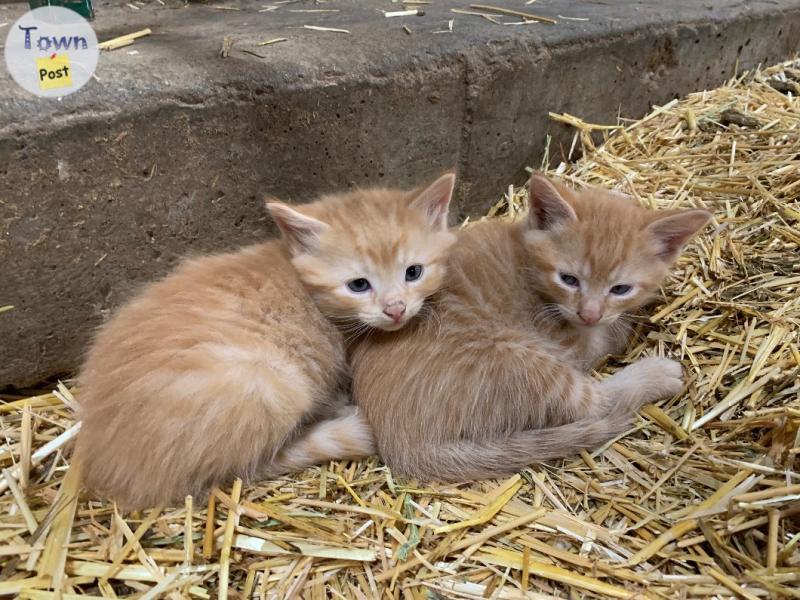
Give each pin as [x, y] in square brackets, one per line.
[649, 379]
[659, 377]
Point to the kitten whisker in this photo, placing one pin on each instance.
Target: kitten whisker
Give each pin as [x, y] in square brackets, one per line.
[428, 312]
[548, 311]
[356, 332]
[625, 326]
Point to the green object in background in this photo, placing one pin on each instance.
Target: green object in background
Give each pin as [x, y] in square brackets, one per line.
[82, 7]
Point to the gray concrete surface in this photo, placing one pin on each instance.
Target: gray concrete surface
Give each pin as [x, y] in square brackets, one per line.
[172, 148]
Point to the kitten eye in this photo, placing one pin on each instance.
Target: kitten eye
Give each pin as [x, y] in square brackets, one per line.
[359, 285]
[413, 272]
[620, 289]
[570, 280]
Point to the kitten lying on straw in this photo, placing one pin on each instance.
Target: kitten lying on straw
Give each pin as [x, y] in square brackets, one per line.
[492, 376]
[232, 365]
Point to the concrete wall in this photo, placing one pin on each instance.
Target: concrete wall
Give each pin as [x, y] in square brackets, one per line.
[173, 149]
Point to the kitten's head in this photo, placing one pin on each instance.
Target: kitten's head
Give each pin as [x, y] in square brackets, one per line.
[597, 254]
[370, 257]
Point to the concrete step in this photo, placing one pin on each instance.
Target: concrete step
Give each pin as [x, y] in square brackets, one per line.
[171, 149]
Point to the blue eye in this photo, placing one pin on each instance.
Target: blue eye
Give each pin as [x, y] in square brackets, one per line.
[359, 285]
[570, 280]
[620, 289]
[413, 272]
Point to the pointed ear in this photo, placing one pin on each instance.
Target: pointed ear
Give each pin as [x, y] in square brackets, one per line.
[299, 230]
[548, 207]
[674, 230]
[434, 200]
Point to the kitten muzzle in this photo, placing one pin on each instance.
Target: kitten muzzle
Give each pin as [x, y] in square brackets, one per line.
[589, 317]
[395, 311]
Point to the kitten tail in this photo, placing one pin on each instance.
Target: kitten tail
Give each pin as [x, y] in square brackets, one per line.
[468, 460]
[471, 460]
[620, 396]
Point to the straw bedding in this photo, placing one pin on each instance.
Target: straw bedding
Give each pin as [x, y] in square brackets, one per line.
[700, 499]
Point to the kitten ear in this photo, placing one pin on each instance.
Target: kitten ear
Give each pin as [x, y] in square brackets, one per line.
[548, 207]
[673, 231]
[301, 231]
[434, 200]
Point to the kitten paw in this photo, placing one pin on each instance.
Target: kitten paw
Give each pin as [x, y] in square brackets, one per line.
[657, 366]
[659, 377]
[648, 379]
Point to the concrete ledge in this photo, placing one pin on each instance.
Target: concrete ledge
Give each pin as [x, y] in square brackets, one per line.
[172, 148]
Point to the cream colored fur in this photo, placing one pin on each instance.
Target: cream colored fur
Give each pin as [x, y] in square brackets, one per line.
[232, 365]
[493, 376]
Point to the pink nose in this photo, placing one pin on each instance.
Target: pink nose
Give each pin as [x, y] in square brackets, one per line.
[589, 317]
[395, 310]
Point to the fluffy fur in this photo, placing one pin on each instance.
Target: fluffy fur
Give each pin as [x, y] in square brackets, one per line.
[232, 365]
[493, 377]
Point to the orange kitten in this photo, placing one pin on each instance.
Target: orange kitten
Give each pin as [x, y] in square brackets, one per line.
[492, 377]
[232, 365]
